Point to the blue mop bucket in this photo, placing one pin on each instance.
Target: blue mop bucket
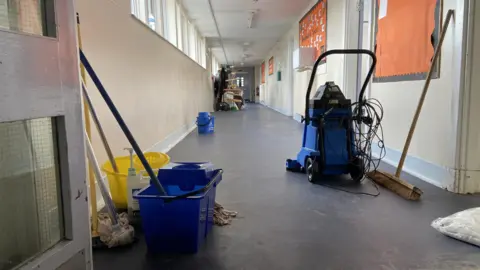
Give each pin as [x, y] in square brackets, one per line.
[180, 221]
[205, 123]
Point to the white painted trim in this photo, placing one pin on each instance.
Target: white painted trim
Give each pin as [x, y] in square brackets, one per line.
[297, 117]
[441, 177]
[350, 41]
[172, 139]
[284, 112]
[464, 30]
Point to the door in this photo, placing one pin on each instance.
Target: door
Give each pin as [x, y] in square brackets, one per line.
[42, 160]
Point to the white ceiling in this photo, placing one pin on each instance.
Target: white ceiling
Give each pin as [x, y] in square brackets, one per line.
[272, 20]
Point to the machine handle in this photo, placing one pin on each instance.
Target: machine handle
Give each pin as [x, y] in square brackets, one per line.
[213, 182]
[341, 51]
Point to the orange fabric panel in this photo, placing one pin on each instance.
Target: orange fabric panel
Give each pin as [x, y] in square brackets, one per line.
[263, 72]
[403, 37]
[313, 28]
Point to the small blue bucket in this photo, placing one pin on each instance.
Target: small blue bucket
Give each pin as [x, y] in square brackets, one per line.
[205, 123]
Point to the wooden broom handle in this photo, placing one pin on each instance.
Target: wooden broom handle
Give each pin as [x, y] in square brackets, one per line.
[424, 93]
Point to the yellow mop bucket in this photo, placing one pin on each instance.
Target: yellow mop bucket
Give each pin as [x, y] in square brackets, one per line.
[118, 181]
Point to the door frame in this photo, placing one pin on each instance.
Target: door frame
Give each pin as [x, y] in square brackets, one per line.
[351, 41]
[290, 74]
[49, 86]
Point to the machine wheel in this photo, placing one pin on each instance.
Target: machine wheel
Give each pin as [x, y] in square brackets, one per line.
[311, 168]
[356, 169]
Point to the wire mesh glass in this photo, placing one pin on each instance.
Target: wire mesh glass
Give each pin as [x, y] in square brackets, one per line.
[29, 190]
[27, 16]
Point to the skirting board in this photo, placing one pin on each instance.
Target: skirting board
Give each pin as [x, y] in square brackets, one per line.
[419, 168]
[297, 117]
[163, 146]
[278, 110]
[173, 139]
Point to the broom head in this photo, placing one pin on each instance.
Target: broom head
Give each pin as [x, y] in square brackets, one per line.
[395, 184]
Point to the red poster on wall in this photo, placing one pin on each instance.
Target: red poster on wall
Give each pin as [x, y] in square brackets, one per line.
[270, 66]
[405, 47]
[313, 28]
[263, 72]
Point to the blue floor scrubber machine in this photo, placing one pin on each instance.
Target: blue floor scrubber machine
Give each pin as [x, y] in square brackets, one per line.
[330, 143]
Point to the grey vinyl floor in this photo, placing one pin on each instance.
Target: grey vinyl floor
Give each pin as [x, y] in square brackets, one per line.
[285, 222]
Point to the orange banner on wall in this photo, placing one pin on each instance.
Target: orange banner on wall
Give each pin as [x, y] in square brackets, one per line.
[270, 66]
[403, 40]
[263, 72]
[313, 28]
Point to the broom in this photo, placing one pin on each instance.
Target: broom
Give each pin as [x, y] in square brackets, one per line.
[393, 182]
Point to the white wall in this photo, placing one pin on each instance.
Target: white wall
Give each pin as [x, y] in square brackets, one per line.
[278, 95]
[258, 78]
[432, 150]
[157, 89]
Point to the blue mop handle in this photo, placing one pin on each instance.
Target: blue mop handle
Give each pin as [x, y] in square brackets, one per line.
[121, 123]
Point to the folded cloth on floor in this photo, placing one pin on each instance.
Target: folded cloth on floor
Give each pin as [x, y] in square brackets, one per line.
[464, 226]
[221, 216]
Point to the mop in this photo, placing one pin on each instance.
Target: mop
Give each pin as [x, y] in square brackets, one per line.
[221, 216]
[114, 230]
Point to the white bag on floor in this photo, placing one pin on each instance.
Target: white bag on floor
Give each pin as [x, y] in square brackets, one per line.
[464, 225]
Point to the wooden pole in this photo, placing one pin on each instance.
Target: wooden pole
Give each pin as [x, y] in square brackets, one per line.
[424, 93]
[91, 175]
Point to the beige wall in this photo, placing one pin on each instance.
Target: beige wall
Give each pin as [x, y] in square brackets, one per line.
[157, 89]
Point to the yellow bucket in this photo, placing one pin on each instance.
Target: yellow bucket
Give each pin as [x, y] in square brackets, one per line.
[118, 181]
[155, 159]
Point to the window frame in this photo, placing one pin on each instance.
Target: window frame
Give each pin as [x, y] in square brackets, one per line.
[175, 28]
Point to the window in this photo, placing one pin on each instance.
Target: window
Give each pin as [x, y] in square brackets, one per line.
[192, 41]
[215, 66]
[240, 82]
[185, 36]
[167, 18]
[170, 21]
[29, 188]
[179, 26]
[197, 51]
[149, 12]
[32, 17]
[203, 53]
